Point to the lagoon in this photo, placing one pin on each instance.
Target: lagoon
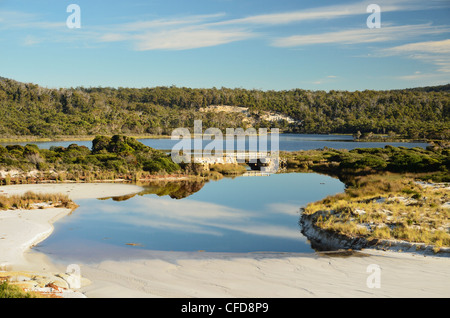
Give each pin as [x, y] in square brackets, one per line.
[287, 142]
[240, 215]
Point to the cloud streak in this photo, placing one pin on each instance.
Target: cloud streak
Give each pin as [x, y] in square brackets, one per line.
[361, 35]
[430, 47]
[436, 53]
[209, 30]
[184, 39]
[199, 31]
[333, 12]
[176, 34]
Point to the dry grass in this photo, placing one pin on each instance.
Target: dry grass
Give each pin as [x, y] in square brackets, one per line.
[388, 207]
[228, 169]
[29, 200]
[212, 175]
[8, 290]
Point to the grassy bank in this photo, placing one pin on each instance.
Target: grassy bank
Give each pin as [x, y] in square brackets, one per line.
[228, 169]
[31, 200]
[8, 290]
[387, 196]
[388, 207]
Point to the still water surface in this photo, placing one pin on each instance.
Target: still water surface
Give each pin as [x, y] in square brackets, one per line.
[287, 142]
[245, 214]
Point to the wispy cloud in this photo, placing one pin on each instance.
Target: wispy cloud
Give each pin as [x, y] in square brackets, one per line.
[435, 53]
[362, 35]
[164, 23]
[334, 12]
[208, 30]
[30, 40]
[176, 34]
[418, 76]
[325, 80]
[429, 47]
[212, 30]
[16, 20]
[183, 39]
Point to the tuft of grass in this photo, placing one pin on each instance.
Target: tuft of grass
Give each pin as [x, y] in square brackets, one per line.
[26, 200]
[389, 206]
[211, 175]
[382, 233]
[228, 169]
[11, 291]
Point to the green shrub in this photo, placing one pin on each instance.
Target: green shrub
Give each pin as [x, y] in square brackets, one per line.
[100, 143]
[11, 291]
[160, 164]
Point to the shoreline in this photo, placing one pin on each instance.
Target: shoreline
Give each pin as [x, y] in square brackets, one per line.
[230, 275]
[329, 241]
[23, 139]
[20, 230]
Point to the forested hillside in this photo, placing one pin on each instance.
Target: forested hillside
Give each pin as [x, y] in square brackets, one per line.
[32, 110]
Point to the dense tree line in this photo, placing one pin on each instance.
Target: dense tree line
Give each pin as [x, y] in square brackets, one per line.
[32, 110]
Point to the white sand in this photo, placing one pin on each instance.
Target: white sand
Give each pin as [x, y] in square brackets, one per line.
[211, 275]
[173, 275]
[21, 229]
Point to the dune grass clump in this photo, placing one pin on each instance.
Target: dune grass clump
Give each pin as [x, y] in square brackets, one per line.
[228, 169]
[11, 291]
[387, 207]
[29, 199]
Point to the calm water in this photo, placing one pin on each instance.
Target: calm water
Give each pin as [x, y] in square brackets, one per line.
[287, 142]
[245, 214]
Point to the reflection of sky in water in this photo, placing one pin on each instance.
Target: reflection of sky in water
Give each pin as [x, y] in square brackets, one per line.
[245, 214]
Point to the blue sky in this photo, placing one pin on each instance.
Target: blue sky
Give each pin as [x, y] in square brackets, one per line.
[253, 44]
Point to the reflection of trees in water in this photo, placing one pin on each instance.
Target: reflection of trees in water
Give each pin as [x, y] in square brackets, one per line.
[174, 189]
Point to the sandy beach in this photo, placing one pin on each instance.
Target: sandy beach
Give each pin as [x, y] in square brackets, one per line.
[268, 276]
[209, 275]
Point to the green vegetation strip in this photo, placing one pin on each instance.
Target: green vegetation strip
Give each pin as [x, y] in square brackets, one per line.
[32, 110]
[11, 291]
